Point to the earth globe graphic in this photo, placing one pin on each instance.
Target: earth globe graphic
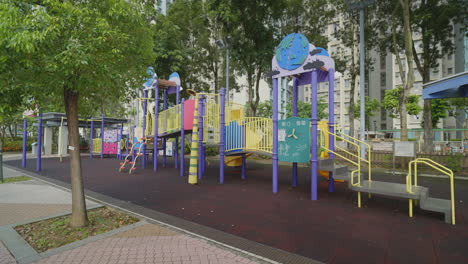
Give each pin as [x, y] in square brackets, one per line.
[292, 51]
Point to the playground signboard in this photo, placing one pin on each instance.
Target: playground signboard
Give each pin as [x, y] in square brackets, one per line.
[294, 140]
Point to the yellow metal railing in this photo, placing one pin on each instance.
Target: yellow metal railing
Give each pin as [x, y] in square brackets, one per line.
[437, 166]
[97, 145]
[169, 120]
[233, 111]
[211, 120]
[258, 134]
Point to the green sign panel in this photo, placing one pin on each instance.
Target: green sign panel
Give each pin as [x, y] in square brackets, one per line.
[294, 140]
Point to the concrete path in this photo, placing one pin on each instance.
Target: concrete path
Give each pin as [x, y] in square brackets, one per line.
[27, 201]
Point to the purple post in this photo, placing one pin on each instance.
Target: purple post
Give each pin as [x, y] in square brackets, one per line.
[39, 144]
[176, 148]
[133, 135]
[119, 151]
[314, 161]
[294, 113]
[221, 137]
[143, 146]
[243, 166]
[182, 140]
[165, 139]
[91, 135]
[275, 135]
[102, 136]
[331, 122]
[25, 142]
[156, 124]
[200, 138]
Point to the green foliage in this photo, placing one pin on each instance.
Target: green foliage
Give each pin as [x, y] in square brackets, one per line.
[372, 106]
[15, 179]
[454, 162]
[265, 109]
[392, 102]
[16, 144]
[439, 110]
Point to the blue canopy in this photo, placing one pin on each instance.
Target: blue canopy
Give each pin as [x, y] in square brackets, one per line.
[449, 87]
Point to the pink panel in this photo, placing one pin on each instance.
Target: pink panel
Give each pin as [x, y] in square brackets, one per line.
[110, 148]
[189, 107]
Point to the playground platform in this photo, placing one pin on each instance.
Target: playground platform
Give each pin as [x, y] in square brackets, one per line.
[332, 230]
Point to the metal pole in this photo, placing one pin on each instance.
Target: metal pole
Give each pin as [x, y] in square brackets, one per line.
[331, 122]
[1, 161]
[143, 128]
[102, 136]
[91, 143]
[314, 161]
[164, 139]
[227, 71]
[25, 142]
[275, 135]
[39, 144]
[221, 138]
[182, 140]
[294, 114]
[362, 81]
[156, 132]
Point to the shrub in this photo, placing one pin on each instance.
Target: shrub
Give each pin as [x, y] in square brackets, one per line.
[16, 144]
[454, 162]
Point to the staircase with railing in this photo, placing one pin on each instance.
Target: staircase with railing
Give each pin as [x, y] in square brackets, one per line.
[411, 190]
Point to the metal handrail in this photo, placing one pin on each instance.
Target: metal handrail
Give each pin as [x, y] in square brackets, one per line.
[437, 166]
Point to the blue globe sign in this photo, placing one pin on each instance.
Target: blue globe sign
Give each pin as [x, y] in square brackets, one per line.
[292, 51]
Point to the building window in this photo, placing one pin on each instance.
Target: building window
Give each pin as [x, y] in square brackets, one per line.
[449, 70]
[346, 83]
[449, 57]
[383, 79]
[335, 27]
[382, 62]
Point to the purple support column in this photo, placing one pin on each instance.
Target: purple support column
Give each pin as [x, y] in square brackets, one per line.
[143, 146]
[132, 151]
[331, 121]
[156, 132]
[39, 144]
[91, 135]
[176, 148]
[314, 161]
[221, 137]
[119, 151]
[275, 135]
[165, 139]
[294, 113]
[182, 140]
[25, 142]
[243, 166]
[102, 136]
[200, 137]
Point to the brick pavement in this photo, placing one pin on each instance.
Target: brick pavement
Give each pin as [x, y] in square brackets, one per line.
[15, 213]
[5, 256]
[148, 244]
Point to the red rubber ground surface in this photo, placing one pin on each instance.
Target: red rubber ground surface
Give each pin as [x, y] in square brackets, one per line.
[331, 230]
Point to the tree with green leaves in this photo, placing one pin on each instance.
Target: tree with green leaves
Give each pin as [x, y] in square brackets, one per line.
[392, 100]
[372, 106]
[303, 109]
[433, 20]
[80, 51]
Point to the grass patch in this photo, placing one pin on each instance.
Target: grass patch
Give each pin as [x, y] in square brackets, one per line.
[15, 179]
[56, 232]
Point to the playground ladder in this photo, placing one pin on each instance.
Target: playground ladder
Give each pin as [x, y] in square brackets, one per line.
[128, 160]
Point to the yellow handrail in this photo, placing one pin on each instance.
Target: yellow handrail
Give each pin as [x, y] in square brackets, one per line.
[437, 166]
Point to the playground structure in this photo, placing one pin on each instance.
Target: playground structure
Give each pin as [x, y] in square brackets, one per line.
[108, 142]
[211, 120]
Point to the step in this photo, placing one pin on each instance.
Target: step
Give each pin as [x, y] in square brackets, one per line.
[388, 189]
[438, 205]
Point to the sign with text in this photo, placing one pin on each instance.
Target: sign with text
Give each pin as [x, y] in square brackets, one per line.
[294, 140]
[404, 149]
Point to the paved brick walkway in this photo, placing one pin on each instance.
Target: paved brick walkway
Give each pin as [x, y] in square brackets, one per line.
[148, 244]
[5, 256]
[15, 213]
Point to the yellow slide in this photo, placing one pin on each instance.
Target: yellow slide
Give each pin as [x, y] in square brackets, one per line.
[326, 174]
[235, 161]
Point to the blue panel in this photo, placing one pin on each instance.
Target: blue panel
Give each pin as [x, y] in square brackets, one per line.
[292, 51]
[151, 75]
[234, 136]
[450, 88]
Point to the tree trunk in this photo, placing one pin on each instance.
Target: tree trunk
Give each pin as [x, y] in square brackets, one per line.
[79, 215]
[408, 40]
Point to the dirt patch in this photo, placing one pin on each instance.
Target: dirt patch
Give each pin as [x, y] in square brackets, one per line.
[56, 232]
